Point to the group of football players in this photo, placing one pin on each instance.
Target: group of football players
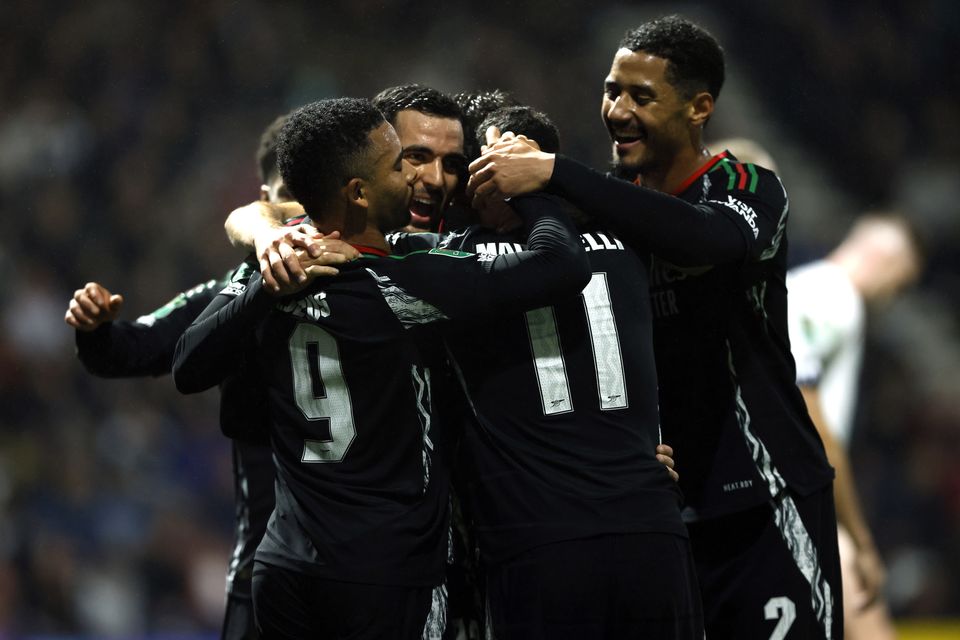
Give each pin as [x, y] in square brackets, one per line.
[436, 298]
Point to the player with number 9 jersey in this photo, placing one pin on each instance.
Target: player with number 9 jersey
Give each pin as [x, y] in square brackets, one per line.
[362, 486]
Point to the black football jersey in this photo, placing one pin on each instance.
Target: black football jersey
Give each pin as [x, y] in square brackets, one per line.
[362, 493]
[145, 347]
[728, 402]
[562, 444]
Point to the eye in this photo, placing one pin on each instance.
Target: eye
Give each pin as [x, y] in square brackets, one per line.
[611, 91]
[640, 99]
[416, 157]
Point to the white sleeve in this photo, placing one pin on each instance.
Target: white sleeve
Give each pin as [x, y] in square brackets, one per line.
[823, 316]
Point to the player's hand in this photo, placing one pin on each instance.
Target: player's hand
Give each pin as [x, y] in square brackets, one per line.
[92, 306]
[872, 574]
[510, 166]
[275, 250]
[330, 251]
[665, 456]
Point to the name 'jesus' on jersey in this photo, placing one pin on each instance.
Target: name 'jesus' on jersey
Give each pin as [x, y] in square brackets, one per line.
[562, 445]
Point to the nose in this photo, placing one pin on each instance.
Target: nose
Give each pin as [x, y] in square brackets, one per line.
[620, 108]
[431, 174]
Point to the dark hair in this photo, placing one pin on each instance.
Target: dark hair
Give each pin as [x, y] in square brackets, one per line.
[319, 147]
[267, 151]
[475, 106]
[417, 97]
[694, 58]
[523, 120]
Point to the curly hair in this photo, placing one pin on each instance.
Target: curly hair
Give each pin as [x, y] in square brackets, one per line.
[320, 145]
[694, 58]
[267, 150]
[523, 120]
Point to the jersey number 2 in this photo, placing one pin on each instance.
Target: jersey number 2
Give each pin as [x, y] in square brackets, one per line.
[607, 358]
[321, 392]
[784, 612]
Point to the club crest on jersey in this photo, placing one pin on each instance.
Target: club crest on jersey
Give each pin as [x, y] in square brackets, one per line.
[313, 306]
[745, 211]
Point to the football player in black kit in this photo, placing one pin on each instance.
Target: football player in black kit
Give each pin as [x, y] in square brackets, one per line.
[536, 125]
[579, 524]
[358, 536]
[113, 348]
[759, 506]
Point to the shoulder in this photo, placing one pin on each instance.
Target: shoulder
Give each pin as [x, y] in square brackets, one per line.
[744, 180]
[821, 284]
[823, 306]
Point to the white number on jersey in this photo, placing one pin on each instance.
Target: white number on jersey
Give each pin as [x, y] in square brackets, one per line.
[781, 608]
[320, 391]
[604, 341]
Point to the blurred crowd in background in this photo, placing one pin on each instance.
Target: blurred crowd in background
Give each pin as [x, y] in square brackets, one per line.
[128, 132]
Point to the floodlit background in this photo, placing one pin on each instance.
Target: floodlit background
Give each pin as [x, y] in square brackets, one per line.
[128, 131]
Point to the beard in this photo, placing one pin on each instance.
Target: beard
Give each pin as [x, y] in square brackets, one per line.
[622, 171]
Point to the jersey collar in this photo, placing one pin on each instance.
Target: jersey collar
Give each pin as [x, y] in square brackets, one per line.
[369, 251]
[710, 164]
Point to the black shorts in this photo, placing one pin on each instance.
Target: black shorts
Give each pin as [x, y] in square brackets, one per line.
[295, 605]
[238, 621]
[772, 571]
[639, 585]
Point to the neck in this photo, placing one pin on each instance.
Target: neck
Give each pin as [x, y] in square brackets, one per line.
[667, 179]
[369, 237]
[354, 228]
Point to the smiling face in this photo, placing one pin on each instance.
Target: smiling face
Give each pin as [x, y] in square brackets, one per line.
[433, 147]
[389, 186]
[647, 117]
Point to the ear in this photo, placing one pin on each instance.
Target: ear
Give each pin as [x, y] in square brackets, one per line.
[701, 108]
[356, 192]
[264, 193]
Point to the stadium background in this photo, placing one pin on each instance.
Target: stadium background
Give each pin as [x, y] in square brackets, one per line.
[127, 133]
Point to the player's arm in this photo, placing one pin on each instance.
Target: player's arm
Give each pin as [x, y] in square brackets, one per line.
[553, 266]
[112, 348]
[212, 348]
[849, 511]
[682, 233]
[447, 284]
[260, 227]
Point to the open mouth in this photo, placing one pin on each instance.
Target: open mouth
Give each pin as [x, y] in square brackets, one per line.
[421, 210]
[624, 142]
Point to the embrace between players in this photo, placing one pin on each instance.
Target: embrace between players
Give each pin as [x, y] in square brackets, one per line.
[536, 356]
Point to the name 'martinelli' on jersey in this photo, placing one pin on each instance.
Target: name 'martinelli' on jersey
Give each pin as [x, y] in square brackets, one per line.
[593, 241]
[597, 241]
[313, 306]
[498, 248]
